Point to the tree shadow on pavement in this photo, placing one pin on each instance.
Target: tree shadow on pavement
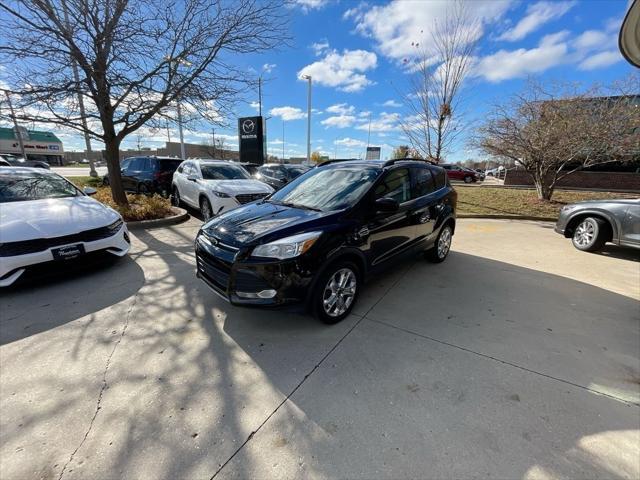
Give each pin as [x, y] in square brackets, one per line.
[452, 373]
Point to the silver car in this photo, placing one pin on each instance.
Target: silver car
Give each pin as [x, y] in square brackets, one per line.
[593, 223]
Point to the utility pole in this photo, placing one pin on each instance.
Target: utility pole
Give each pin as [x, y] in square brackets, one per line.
[369, 134]
[308, 78]
[213, 141]
[168, 132]
[15, 125]
[282, 159]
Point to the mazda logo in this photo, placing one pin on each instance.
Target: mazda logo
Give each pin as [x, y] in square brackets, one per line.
[248, 126]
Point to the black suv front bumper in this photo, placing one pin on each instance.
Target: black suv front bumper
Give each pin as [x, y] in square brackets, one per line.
[241, 280]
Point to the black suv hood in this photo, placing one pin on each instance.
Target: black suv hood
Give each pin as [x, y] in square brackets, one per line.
[262, 221]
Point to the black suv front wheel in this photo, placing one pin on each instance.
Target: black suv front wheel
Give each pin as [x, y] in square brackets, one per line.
[336, 292]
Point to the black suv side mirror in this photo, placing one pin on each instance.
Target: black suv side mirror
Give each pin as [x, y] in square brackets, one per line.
[387, 205]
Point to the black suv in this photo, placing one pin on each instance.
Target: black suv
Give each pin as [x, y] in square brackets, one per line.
[278, 175]
[316, 239]
[147, 174]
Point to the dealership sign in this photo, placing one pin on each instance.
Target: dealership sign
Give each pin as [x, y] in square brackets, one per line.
[252, 139]
[43, 148]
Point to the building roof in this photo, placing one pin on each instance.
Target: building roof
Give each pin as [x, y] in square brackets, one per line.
[34, 135]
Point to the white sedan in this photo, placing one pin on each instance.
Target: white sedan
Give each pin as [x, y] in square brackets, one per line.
[45, 218]
[215, 186]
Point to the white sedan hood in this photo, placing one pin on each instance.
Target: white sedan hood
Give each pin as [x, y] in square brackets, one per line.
[238, 187]
[52, 217]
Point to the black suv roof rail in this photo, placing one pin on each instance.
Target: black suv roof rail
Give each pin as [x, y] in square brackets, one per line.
[397, 160]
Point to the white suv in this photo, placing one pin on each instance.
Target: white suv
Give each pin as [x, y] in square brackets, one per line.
[215, 186]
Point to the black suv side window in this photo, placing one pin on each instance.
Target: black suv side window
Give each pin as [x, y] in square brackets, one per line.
[396, 184]
[441, 178]
[423, 182]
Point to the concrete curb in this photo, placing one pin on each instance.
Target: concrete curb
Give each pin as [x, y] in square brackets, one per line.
[507, 217]
[181, 216]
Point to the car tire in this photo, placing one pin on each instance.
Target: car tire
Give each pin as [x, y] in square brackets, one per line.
[468, 179]
[105, 181]
[590, 234]
[205, 209]
[344, 295]
[441, 248]
[176, 201]
[143, 189]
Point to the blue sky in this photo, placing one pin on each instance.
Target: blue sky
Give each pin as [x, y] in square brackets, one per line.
[356, 52]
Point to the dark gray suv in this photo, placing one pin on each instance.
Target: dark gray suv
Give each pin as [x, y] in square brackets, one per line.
[593, 223]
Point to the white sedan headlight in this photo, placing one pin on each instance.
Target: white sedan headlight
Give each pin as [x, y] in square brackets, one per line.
[288, 247]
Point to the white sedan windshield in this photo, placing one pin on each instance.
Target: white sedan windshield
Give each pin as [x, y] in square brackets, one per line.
[23, 186]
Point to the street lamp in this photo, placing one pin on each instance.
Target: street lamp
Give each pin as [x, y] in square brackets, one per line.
[308, 78]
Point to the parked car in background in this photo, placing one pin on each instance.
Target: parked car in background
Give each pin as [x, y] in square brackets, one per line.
[147, 175]
[480, 173]
[494, 172]
[455, 172]
[215, 186]
[278, 175]
[4, 163]
[45, 219]
[314, 241]
[593, 223]
[21, 162]
[252, 168]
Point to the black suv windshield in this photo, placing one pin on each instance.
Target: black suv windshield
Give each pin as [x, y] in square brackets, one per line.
[223, 172]
[327, 189]
[23, 186]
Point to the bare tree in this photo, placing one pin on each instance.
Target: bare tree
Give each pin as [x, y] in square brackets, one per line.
[136, 60]
[553, 132]
[433, 119]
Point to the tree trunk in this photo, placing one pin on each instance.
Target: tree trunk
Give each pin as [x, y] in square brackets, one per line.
[112, 148]
[544, 190]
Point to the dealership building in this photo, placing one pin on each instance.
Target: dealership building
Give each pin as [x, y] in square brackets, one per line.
[38, 145]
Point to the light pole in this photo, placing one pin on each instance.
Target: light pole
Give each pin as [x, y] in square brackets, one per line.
[180, 61]
[282, 159]
[308, 78]
[182, 152]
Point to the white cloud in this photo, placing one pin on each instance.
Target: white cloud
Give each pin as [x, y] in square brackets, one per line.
[341, 109]
[392, 104]
[268, 67]
[385, 122]
[311, 4]
[599, 60]
[320, 47]
[339, 121]
[344, 71]
[350, 142]
[288, 113]
[537, 15]
[507, 64]
[255, 105]
[399, 25]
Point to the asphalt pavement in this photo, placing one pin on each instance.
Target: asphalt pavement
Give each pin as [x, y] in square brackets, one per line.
[518, 357]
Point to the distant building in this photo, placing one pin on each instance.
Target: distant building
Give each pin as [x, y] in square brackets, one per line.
[38, 145]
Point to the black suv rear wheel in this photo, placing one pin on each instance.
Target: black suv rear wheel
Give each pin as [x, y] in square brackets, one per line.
[336, 293]
[442, 246]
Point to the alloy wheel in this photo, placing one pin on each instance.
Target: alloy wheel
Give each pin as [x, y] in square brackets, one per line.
[444, 242]
[205, 208]
[585, 233]
[339, 292]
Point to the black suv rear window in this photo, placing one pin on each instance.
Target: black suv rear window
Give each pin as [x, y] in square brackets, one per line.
[166, 165]
[440, 177]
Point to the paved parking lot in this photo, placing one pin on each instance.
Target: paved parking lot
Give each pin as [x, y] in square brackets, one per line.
[519, 357]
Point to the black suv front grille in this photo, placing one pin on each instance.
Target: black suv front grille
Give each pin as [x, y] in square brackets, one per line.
[11, 249]
[249, 197]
